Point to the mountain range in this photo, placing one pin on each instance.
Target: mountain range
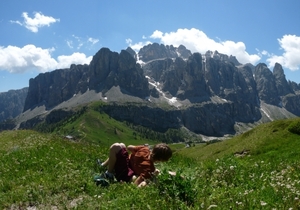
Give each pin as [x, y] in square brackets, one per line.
[160, 87]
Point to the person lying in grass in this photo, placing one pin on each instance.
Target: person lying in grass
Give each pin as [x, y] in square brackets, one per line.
[139, 165]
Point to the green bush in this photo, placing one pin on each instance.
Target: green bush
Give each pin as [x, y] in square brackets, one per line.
[177, 187]
[295, 127]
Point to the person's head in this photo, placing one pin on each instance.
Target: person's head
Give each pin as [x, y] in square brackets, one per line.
[161, 152]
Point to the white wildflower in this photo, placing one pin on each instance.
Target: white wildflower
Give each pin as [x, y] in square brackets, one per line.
[263, 203]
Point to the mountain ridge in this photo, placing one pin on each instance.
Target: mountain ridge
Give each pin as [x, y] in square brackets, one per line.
[213, 92]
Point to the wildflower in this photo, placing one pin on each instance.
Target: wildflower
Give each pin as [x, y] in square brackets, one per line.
[231, 167]
[238, 203]
[263, 203]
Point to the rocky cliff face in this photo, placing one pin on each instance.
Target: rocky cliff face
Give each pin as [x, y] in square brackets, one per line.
[282, 85]
[52, 88]
[209, 94]
[266, 85]
[12, 103]
[107, 69]
[156, 51]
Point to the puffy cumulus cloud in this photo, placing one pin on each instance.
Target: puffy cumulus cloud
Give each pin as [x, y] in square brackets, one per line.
[64, 61]
[197, 41]
[237, 49]
[290, 58]
[39, 20]
[19, 60]
[32, 58]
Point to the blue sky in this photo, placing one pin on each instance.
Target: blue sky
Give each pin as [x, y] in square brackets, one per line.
[38, 36]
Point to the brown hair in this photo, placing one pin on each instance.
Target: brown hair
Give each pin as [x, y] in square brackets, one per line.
[161, 152]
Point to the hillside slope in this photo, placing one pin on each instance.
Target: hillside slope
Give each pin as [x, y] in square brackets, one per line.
[47, 171]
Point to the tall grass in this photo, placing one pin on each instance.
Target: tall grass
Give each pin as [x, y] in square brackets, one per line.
[46, 171]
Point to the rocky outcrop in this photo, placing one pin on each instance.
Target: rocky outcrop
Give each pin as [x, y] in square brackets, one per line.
[156, 51]
[294, 86]
[197, 81]
[212, 119]
[282, 85]
[291, 103]
[132, 52]
[222, 57]
[148, 116]
[274, 89]
[12, 103]
[107, 69]
[52, 88]
[266, 85]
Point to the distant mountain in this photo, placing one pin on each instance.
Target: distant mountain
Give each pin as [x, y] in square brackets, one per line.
[163, 87]
[12, 103]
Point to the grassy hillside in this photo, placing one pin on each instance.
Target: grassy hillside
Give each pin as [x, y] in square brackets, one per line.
[266, 140]
[47, 171]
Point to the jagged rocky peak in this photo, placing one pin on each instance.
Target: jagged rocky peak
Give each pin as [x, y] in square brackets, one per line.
[281, 82]
[160, 51]
[222, 57]
[183, 52]
[52, 88]
[278, 71]
[108, 69]
[132, 52]
[249, 66]
[266, 84]
[294, 86]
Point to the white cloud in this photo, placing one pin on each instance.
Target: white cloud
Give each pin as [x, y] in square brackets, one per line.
[157, 35]
[32, 58]
[137, 46]
[93, 40]
[197, 41]
[264, 52]
[39, 20]
[19, 60]
[64, 61]
[79, 42]
[290, 58]
[70, 44]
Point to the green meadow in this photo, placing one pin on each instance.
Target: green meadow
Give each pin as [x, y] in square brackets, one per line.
[259, 169]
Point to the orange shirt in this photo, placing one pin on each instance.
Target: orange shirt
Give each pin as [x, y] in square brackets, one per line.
[140, 162]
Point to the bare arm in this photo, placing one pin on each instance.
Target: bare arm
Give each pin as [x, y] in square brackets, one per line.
[131, 148]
